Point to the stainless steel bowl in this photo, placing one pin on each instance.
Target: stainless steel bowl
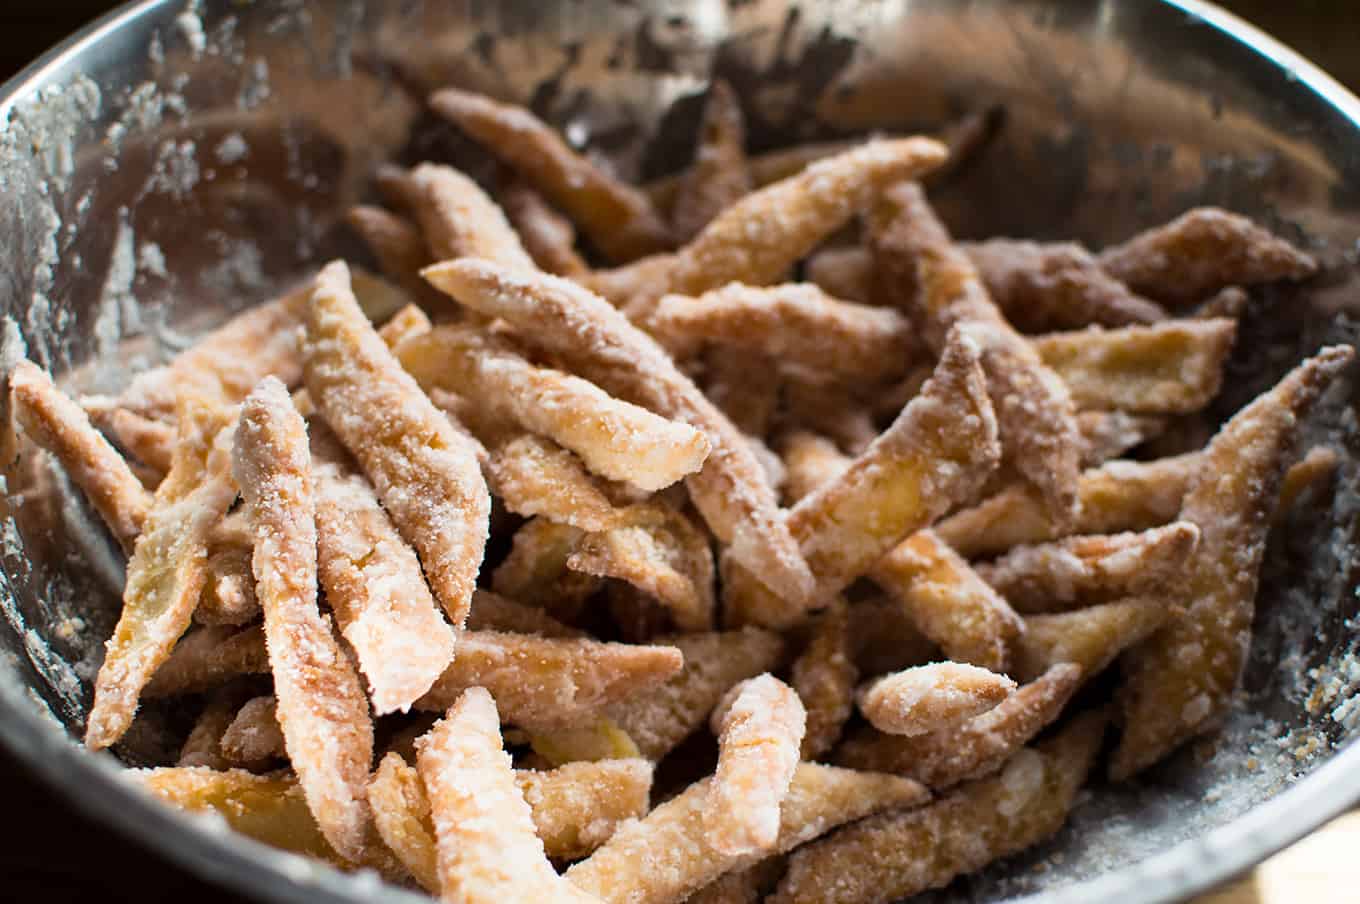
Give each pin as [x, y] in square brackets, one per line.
[174, 163]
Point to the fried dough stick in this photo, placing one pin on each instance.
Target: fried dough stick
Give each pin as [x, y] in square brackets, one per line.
[535, 476]
[207, 658]
[228, 596]
[535, 571]
[399, 248]
[487, 849]
[894, 856]
[1200, 252]
[254, 735]
[493, 612]
[666, 855]
[618, 218]
[541, 681]
[457, 218]
[932, 698]
[810, 460]
[1079, 571]
[616, 439]
[60, 426]
[937, 453]
[166, 572]
[1117, 496]
[973, 749]
[1313, 470]
[824, 677]
[920, 268]
[322, 708]
[759, 726]
[797, 323]
[1045, 286]
[1180, 682]
[660, 719]
[203, 745]
[731, 491]
[744, 386]
[1109, 434]
[842, 272]
[426, 473]
[718, 177]
[373, 582]
[948, 601]
[1090, 638]
[548, 236]
[767, 167]
[744, 886]
[1174, 367]
[401, 814]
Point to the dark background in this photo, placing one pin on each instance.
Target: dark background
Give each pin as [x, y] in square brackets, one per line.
[52, 854]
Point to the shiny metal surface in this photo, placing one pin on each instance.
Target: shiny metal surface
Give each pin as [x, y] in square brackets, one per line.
[175, 163]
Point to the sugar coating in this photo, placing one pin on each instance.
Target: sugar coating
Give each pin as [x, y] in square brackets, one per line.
[1090, 637]
[254, 734]
[456, 218]
[824, 676]
[932, 698]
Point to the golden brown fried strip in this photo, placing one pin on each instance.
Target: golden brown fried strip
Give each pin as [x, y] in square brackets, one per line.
[616, 439]
[228, 596]
[209, 657]
[1180, 682]
[883, 638]
[634, 287]
[148, 440]
[1227, 302]
[1079, 571]
[619, 219]
[597, 740]
[203, 745]
[322, 708]
[535, 476]
[1090, 637]
[487, 849]
[425, 472]
[660, 552]
[1118, 496]
[254, 735]
[845, 272]
[948, 601]
[744, 886]
[770, 166]
[896, 855]
[744, 386]
[1055, 286]
[731, 492]
[1313, 470]
[759, 726]
[401, 813]
[796, 323]
[1109, 434]
[373, 582]
[973, 749]
[666, 855]
[399, 248]
[493, 612]
[456, 217]
[920, 268]
[824, 677]
[408, 322]
[166, 572]
[535, 571]
[549, 237]
[542, 681]
[718, 177]
[1200, 252]
[810, 460]
[578, 806]
[1174, 367]
[660, 719]
[932, 698]
[59, 425]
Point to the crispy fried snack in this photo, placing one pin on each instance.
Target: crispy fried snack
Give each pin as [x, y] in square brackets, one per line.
[549, 237]
[842, 272]
[1090, 638]
[745, 387]
[796, 323]
[1055, 286]
[731, 492]
[399, 248]
[597, 740]
[824, 676]
[373, 582]
[1109, 434]
[971, 750]
[810, 460]
[408, 322]
[616, 439]
[1180, 682]
[321, 704]
[619, 220]
[207, 658]
[666, 855]
[948, 601]
[1173, 367]
[883, 638]
[493, 612]
[660, 719]
[487, 848]
[759, 726]
[424, 470]
[765, 168]
[894, 856]
[920, 268]
[831, 409]
[148, 440]
[661, 552]
[1078, 571]
[550, 682]
[1118, 496]
[254, 735]
[166, 572]
[744, 886]
[1313, 470]
[635, 287]
[932, 698]
[533, 476]
[401, 814]
[456, 217]
[59, 425]
[203, 745]
[718, 177]
[535, 571]
[228, 596]
[1201, 252]
[1227, 302]
[578, 806]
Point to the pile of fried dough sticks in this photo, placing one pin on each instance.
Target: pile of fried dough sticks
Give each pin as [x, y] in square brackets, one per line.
[870, 530]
